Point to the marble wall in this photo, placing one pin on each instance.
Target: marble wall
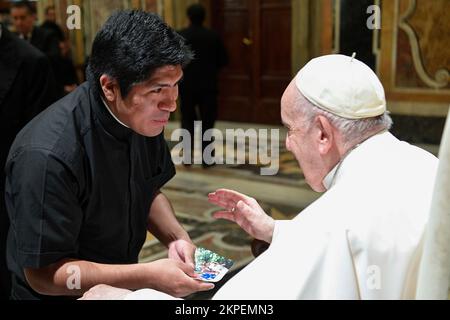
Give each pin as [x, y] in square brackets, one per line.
[414, 64]
[423, 32]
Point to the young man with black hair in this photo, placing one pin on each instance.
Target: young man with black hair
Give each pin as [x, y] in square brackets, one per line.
[83, 178]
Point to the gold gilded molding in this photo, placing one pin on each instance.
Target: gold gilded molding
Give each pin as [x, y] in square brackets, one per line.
[413, 100]
[442, 76]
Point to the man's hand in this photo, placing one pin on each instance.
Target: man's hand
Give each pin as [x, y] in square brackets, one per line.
[105, 292]
[175, 278]
[183, 251]
[245, 211]
[165, 275]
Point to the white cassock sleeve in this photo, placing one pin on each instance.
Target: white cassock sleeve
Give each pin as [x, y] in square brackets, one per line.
[302, 262]
[149, 294]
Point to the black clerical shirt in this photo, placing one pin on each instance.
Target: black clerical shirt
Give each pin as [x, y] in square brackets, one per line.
[79, 185]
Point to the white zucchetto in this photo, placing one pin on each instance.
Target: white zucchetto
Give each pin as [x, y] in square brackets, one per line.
[343, 86]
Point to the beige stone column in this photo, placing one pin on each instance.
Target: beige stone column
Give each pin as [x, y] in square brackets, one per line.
[300, 34]
[312, 29]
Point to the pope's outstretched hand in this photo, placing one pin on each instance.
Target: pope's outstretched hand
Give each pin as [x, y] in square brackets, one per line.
[245, 211]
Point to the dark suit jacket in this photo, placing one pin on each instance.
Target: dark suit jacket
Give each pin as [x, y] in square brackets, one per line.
[27, 86]
[210, 56]
[27, 83]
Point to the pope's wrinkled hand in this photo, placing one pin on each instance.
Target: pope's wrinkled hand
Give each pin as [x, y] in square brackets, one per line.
[245, 211]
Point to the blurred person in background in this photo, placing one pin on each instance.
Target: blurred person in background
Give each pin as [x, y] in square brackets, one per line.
[199, 87]
[27, 86]
[24, 19]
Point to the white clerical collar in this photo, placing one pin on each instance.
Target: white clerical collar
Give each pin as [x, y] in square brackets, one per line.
[328, 181]
[107, 108]
[332, 176]
[27, 38]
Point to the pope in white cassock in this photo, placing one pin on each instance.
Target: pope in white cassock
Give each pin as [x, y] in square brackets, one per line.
[362, 239]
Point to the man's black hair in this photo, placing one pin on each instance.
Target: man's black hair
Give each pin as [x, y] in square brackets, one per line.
[196, 14]
[130, 46]
[24, 4]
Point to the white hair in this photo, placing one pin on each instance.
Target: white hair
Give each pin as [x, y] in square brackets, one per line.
[353, 131]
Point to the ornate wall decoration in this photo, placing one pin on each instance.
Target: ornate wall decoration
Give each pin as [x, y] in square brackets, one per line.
[414, 57]
[425, 24]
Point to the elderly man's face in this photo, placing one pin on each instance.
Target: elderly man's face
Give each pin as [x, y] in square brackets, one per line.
[23, 20]
[300, 139]
[148, 105]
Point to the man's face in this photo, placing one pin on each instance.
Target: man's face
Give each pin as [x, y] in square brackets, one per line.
[148, 105]
[300, 139]
[23, 20]
[50, 15]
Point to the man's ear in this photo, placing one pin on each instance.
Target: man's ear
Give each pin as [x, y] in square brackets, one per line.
[109, 87]
[325, 134]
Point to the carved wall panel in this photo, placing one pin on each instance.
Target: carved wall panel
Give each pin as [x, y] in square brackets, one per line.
[415, 58]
